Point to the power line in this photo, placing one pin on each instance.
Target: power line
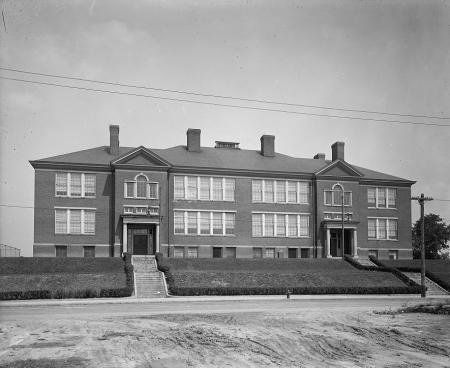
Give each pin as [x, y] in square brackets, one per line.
[222, 104]
[222, 96]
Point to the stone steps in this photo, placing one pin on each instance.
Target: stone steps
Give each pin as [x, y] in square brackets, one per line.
[148, 280]
[366, 262]
[432, 287]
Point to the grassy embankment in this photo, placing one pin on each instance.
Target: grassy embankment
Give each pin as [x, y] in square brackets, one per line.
[43, 278]
[276, 276]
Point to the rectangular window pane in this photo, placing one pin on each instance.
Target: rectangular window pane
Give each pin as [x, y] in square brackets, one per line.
[141, 187]
[61, 251]
[129, 189]
[217, 223]
[393, 255]
[257, 190]
[268, 225]
[75, 185]
[381, 229]
[229, 189]
[292, 225]
[205, 223]
[328, 197]
[89, 222]
[153, 188]
[178, 252]
[304, 225]
[372, 228]
[178, 183]
[192, 252]
[61, 184]
[89, 185]
[268, 191]
[371, 197]
[217, 189]
[178, 222]
[191, 187]
[270, 253]
[292, 192]
[281, 191]
[257, 252]
[304, 193]
[393, 233]
[60, 221]
[192, 222]
[392, 198]
[89, 252]
[257, 224]
[128, 210]
[204, 188]
[382, 197]
[281, 225]
[229, 223]
[75, 221]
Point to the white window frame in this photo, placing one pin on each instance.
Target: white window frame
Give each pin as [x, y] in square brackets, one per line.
[377, 237]
[386, 193]
[211, 222]
[68, 217]
[211, 188]
[275, 182]
[333, 198]
[147, 188]
[83, 184]
[286, 224]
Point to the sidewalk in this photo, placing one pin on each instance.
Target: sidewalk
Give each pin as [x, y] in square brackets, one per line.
[181, 299]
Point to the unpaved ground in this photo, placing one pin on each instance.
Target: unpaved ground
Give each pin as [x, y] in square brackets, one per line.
[317, 337]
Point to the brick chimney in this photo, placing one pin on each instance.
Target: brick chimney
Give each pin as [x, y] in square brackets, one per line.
[193, 140]
[319, 156]
[268, 145]
[337, 151]
[114, 139]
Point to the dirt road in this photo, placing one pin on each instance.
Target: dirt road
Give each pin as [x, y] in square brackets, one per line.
[254, 333]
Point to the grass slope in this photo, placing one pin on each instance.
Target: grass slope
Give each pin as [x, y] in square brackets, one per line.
[30, 278]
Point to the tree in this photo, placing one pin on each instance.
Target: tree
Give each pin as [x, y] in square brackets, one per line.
[437, 234]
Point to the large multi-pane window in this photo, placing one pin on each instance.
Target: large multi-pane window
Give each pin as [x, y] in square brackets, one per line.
[74, 221]
[194, 222]
[280, 191]
[280, 225]
[204, 188]
[334, 198]
[140, 188]
[75, 184]
[382, 197]
[382, 228]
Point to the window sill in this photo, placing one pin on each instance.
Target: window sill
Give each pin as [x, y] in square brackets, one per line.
[211, 235]
[382, 208]
[281, 237]
[284, 203]
[78, 197]
[391, 240]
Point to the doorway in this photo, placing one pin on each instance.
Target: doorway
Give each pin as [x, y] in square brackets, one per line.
[337, 249]
[141, 240]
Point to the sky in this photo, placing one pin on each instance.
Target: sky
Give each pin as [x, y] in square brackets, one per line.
[382, 56]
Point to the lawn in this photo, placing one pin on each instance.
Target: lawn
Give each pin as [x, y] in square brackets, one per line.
[30, 278]
[437, 270]
[275, 276]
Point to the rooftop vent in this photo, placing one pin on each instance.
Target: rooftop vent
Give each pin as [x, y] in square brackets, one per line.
[229, 145]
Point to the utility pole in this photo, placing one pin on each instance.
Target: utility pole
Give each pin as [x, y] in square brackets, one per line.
[422, 199]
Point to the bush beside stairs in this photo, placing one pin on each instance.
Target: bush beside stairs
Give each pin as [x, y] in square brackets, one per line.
[148, 281]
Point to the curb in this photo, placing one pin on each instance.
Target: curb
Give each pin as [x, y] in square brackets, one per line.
[181, 299]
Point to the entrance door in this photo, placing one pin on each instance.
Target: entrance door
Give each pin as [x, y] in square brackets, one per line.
[335, 243]
[140, 244]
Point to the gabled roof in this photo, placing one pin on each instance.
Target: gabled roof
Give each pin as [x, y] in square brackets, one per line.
[140, 156]
[338, 168]
[217, 158]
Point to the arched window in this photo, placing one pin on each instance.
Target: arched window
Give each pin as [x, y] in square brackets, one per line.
[333, 197]
[141, 188]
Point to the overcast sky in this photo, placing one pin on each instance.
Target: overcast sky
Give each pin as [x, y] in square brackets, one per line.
[387, 56]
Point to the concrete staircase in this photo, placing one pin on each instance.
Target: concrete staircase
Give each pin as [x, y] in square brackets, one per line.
[148, 281]
[366, 262]
[433, 289]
